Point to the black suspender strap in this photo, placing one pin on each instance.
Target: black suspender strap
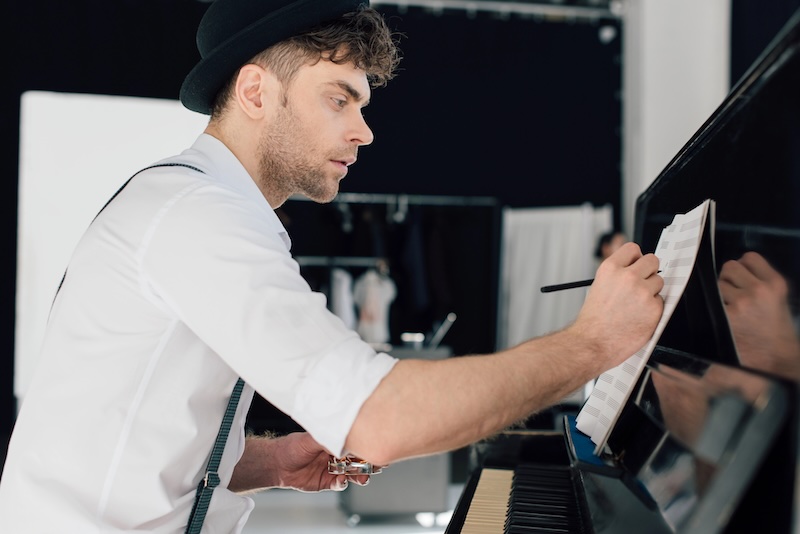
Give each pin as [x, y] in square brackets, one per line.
[211, 478]
[123, 187]
[141, 171]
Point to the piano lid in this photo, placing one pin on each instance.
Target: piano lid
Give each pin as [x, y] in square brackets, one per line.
[746, 157]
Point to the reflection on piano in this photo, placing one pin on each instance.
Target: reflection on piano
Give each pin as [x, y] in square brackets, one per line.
[708, 441]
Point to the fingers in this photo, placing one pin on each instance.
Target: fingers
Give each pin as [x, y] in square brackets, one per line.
[647, 268]
[733, 278]
[748, 270]
[339, 483]
[361, 480]
[751, 276]
[625, 255]
[742, 271]
[736, 273]
[655, 281]
[758, 265]
[629, 258]
[630, 255]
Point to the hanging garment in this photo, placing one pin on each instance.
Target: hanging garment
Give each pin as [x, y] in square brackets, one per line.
[342, 303]
[373, 294]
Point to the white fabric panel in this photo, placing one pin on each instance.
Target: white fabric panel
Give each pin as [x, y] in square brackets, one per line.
[342, 303]
[543, 246]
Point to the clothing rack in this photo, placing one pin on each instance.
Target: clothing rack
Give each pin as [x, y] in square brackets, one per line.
[475, 224]
[338, 261]
[398, 203]
[559, 10]
[395, 199]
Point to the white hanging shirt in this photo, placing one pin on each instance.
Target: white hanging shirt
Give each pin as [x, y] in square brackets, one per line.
[342, 303]
[374, 294]
[181, 285]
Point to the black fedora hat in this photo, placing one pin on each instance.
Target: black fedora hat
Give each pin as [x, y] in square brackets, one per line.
[233, 31]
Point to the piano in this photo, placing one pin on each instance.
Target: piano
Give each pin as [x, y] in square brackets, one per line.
[707, 442]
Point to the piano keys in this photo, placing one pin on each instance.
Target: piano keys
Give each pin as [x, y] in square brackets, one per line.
[528, 498]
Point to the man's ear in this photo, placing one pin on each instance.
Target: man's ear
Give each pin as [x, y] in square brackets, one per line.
[253, 89]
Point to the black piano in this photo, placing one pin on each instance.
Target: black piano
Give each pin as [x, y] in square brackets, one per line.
[707, 442]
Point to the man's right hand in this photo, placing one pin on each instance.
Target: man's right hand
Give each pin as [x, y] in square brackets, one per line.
[623, 305]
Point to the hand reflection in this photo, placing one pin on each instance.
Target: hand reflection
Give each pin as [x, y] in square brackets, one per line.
[756, 302]
[705, 413]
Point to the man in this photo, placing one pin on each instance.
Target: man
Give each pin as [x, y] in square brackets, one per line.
[185, 282]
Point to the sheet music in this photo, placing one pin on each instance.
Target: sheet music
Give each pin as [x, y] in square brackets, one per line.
[676, 250]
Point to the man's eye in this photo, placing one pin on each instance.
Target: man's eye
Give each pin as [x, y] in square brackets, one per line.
[339, 102]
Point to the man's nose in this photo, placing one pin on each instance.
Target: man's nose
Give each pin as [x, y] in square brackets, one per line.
[362, 133]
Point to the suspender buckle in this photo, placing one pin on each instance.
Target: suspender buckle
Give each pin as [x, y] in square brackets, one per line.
[211, 479]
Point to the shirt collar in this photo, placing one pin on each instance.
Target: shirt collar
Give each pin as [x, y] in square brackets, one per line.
[226, 168]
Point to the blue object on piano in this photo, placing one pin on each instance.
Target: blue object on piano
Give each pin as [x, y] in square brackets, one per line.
[582, 445]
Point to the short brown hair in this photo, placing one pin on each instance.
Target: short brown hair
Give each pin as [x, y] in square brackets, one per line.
[361, 37]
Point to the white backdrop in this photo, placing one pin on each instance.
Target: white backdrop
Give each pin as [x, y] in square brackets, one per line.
[544, 246]
[67, 144]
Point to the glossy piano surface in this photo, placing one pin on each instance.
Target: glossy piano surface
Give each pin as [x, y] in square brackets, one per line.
[746, 157]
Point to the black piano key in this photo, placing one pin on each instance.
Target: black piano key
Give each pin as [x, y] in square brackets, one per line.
[533, 508]
[542, 499]
[526, 530]
[560, 508]
[539, 520]
[518, 517]
[529, 499]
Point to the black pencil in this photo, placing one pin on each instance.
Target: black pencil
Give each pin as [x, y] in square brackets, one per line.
[568, 285]
[571, 285]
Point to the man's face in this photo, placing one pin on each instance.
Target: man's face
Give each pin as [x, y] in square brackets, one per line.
[315, 131]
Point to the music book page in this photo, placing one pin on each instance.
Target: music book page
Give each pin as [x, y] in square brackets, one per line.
[676, 250]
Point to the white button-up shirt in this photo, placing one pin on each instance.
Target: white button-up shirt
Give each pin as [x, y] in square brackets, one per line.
[181, 285]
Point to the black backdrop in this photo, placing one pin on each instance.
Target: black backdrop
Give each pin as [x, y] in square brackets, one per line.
[520, 108]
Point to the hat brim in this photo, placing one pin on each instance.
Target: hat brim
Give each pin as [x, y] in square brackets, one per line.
[204, 81]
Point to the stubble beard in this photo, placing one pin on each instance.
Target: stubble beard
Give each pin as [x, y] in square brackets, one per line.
[285, 168]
